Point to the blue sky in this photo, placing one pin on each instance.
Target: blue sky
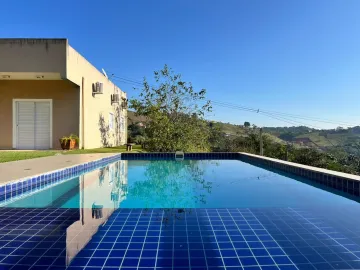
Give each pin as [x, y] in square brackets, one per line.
[299, 57]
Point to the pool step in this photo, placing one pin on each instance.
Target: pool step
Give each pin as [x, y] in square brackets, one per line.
[179, 156]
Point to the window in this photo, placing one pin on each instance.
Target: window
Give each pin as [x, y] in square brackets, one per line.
[111, 121]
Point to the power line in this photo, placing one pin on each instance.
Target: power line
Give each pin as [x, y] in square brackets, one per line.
[127, 80]
[274, 114]
[278, 117]
[117, 80]
[293, 122]
[285, 114]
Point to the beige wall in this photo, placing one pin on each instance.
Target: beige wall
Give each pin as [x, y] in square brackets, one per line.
[22, 58]
[94, 106]
[65, 96]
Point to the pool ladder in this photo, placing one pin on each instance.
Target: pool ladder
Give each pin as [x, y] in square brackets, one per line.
[179, 156]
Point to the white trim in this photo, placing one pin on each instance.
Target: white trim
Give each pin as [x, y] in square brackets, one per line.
[15, 115]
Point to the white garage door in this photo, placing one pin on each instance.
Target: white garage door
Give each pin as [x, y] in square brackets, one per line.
[33, 124]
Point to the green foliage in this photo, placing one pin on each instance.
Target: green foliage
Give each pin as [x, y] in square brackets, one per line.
[72, 136]
[217, 139]
[135, 129]
[246, 124]
[64, 139]
[287, 136]
[139, 139]
[136, 134]
[175, 112]
[308, 156]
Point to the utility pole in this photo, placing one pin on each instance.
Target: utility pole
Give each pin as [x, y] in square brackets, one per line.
[287, 152]
[261, 143]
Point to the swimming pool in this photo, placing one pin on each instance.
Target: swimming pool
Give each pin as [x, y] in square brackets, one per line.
[167, 214]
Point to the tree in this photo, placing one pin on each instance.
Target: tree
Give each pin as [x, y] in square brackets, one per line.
[246, 124]
[217, 140]
[134, 131]
[175, 113]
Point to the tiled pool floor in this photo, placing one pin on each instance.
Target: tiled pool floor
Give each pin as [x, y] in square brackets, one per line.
[34, 238]
[266, 238]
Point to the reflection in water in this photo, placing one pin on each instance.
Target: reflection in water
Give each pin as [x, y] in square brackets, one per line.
[97, 211]
[101, 194]
[46, 228]
[169, 184]
[58, 226]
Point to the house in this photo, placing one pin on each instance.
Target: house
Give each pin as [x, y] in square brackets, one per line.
[48, 90]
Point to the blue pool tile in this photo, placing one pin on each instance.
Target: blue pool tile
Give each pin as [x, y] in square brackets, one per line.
[282, 260]
[113, 262]
[228, 253]
[299, 259]
[147, 262]
[269, 267]
[130, 262]
[96, 262]
[28, 260]
[247, 261]
[198, 262]
[135, 253]
[230, 262]
[164, 262]
[45, 261]
[290, 267]
[101, 253]
[265, 260]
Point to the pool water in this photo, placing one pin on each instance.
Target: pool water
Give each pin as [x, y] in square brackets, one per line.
[183, 184]
[166, 214]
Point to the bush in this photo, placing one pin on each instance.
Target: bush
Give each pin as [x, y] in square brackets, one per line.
[139, 139]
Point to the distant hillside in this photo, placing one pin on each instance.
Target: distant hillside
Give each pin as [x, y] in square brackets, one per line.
[240, 130]
[345, 139]
[326, 139]
[228, 129]
[132, 118]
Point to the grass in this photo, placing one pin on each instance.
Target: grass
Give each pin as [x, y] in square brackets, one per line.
[6, 156]
[118, 149]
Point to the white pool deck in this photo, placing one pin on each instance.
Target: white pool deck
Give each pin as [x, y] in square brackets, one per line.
[301, 166]
[10, 171]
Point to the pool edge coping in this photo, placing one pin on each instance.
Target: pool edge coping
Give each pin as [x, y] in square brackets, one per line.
[50, 177]
[344, 182]
[306, 167]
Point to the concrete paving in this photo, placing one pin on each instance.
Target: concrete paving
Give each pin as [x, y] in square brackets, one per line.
[14, 170]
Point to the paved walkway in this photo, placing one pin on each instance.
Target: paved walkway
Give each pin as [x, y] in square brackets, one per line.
[23, 168]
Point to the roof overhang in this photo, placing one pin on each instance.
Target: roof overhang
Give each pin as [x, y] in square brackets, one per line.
[30, 76]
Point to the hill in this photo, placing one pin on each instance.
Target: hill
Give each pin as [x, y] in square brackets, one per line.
[325, 139]
[133, 119]
[229, 130]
